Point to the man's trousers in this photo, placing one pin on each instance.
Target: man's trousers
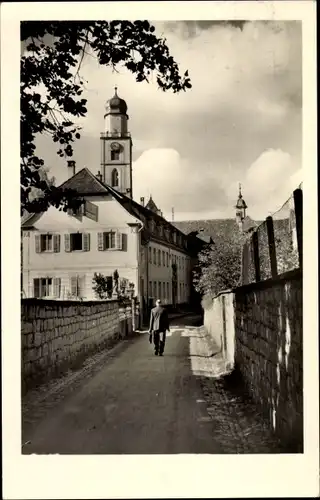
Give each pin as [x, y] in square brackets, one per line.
[159, 339]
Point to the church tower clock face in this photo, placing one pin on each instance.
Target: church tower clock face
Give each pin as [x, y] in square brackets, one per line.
[116, 147]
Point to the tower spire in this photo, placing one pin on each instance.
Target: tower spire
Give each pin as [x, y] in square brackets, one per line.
[241, 207]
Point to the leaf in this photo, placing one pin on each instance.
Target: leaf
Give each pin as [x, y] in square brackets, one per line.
[55, 68]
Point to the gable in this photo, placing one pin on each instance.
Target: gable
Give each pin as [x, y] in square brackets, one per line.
[152, 206]
[84, 182]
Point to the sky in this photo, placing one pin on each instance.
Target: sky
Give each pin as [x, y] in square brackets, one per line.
[240, 123]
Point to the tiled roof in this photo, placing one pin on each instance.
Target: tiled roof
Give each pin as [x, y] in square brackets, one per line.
[139, 211]
[84, 182]
[218, 229]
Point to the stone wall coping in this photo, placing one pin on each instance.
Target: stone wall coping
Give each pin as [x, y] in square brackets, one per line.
[294, 274]
[45, 302]
[223, 292]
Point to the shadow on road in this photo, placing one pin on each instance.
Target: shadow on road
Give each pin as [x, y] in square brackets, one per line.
[133, 402]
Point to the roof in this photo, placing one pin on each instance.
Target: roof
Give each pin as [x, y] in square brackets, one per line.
[84, 182]
[217, 229]
[241, 203]
[152, 206]
[116, 104]
[248, 224]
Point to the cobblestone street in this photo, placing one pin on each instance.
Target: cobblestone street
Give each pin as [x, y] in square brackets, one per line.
[129, 401]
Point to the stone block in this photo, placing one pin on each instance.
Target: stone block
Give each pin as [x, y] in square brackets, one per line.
[38, 339]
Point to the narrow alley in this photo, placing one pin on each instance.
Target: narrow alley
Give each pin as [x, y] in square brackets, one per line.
[128, 401]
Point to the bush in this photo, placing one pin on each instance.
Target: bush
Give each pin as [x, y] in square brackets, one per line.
[219, 266]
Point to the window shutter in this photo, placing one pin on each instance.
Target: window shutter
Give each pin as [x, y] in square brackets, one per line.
[38, 243]
[119, 241]
[74, 285]
[86, 242]
[56, 287]
[90, 210]
[56, 243]
[36, 287]
[101, 242]
[81, 285]
[67, 242]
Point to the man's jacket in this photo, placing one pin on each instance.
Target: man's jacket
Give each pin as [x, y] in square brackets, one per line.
[159, 320]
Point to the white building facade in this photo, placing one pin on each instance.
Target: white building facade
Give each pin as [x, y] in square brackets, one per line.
[111, 232]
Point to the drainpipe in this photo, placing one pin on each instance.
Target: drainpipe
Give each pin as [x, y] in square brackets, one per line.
[139, 276]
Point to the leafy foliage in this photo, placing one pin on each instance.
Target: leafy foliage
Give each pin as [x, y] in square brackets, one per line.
[52, 87]
[101, 286]
[219, 265]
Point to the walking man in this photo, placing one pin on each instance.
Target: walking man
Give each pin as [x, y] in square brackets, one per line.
[159, 324]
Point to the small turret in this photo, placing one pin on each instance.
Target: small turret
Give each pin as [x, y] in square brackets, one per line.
[240, 207]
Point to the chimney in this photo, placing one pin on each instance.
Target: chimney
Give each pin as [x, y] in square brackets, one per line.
[99, 176]
[71, 168]
[142, 201]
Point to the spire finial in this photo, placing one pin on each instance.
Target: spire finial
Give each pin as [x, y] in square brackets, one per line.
[115, 90]
[240, 194]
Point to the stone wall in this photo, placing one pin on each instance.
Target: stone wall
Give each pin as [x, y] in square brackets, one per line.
[57, 335]
[268, 325]
[219, 324]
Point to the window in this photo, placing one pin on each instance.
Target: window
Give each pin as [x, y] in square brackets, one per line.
[155, 289]
[164, 290]
[86, 209]
[168, 294]
[163, 258]
[167, 259]
[111, 240]
[47, 242]
[154, 256]
[150, 255]
[77, 242]
[115, 155]
[115, 177]
[46, 287]
[159, 257]
[160, 296]
[77, 286]
[150, 288]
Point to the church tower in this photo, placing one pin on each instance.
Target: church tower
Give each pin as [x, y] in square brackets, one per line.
[240, 209]
[116, 147]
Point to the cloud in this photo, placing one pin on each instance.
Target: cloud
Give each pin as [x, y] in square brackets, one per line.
[242, 115]
[268, 183]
